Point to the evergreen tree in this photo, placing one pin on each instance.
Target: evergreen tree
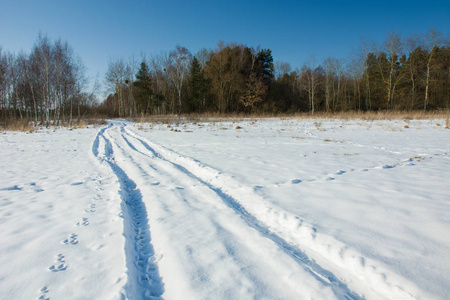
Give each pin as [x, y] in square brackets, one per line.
[144, 85]
[143, 75]
[197, 86]
[264, 66]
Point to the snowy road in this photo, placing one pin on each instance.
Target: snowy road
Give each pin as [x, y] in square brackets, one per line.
[208, 243]
[193, 232]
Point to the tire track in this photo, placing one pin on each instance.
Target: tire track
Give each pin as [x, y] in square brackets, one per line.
[350, 270]
[327, 278]
[209, 232]
[144, 280]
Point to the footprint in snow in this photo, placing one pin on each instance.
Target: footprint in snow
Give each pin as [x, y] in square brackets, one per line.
[12, 188]
[340, 172]
[43, 292]
[84, 222]
[35, 188]
[296, 181]
[58, 266]
[91, 209]
[71, 240]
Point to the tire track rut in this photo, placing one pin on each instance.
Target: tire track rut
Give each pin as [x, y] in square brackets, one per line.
[348, 273]
[327, 278]
[341, 270]
[144, 281]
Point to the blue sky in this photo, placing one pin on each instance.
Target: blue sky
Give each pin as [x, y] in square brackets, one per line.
[293, 30]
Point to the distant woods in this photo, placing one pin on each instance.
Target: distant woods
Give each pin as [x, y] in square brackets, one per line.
[46, 85]
[399, 74]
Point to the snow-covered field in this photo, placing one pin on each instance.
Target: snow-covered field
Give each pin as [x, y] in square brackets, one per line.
[244, 209]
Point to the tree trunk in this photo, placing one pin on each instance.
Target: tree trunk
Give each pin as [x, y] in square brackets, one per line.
[427, 83]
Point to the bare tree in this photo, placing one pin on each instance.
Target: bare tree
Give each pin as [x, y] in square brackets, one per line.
[254, 94]
[254, 55]
[413, 47]
[204, 56]
[364, 50]
[38, 85]
[115, 80]
[80, 84]
[333, 76]
[281, 69]
[180, 60]
[393, 46]
[130, 70]
[224, 72]
[3, 81]
[161, 67]
[311, 82]
[43, 54]
[433, 40]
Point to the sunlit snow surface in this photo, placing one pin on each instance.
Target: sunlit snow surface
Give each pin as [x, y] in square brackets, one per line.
[243, 209]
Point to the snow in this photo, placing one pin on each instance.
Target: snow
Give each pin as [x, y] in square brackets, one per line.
[267, 209]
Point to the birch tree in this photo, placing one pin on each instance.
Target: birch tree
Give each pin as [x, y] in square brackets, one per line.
[43, 54]
[180, 60]
[433, 40]
[413, 64]
[393, 47]
[115, 80]
[311, 82]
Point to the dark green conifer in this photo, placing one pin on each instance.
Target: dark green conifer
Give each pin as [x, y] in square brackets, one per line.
[144, 84]
[197, 86]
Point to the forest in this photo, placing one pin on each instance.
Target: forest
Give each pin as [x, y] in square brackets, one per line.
[45, 86]
[49, 84]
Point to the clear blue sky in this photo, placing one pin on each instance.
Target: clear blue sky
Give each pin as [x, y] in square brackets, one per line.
[293, 30]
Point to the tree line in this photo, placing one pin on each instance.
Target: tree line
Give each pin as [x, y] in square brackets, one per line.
[46, 85]
[398, 74]
[49, 83]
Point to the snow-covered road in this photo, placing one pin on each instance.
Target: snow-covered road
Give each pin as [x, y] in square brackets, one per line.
[157, 223]
[207, 243]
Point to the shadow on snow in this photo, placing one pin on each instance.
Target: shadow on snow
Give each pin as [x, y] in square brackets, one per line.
[144, 280]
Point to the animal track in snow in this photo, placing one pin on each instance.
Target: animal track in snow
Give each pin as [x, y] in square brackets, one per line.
[60, 258]
[71, 240]
[84, 222]
[401, 163]
[59, 265]
[43, 291]
[91, 209]
[12, 188]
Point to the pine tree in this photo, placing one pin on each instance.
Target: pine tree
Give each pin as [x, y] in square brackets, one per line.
[264, 68]
[197, 86]
[144, 84]
[143, 75]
